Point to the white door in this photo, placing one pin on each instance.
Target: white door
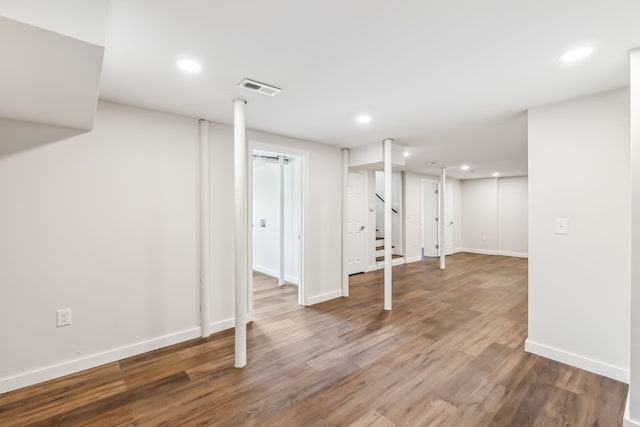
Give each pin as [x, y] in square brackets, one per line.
[429, 222]
[448, 215]
[356, 223]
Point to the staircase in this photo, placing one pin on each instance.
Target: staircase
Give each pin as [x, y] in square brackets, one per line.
[396, 259]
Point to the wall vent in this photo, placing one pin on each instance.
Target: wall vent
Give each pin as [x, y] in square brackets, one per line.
[262, 88]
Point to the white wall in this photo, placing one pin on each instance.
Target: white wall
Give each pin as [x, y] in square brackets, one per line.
[105, 224]
[80, 19]
[480, 205]
[633, 404]
[579, 283]
[266, 204]
[513, 229]
[495, 216]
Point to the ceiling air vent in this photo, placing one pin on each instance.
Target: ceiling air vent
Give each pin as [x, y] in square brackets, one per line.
[262, 88]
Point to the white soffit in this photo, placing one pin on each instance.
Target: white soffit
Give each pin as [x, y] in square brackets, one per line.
[47, 77]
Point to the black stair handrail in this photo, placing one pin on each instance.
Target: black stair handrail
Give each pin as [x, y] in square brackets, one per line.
[381, 199]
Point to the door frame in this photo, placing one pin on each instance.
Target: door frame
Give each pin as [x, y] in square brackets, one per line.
[366, 218]
[304, 155]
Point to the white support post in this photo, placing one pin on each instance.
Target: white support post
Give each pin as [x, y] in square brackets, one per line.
[388, 223]
[345, 220]
[281, 175]
[241, 240]
[205, 228]
[441, 219]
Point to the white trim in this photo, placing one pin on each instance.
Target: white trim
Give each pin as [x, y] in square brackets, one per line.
[513, 254]
[477, 251]
[292, 280]
[491, 252]
[394, 262]
[267, 271]
[595, 366]
[412, 259]
[372, 267]
[87, 362]
[324, 297]
[628, 422]
[222, 325]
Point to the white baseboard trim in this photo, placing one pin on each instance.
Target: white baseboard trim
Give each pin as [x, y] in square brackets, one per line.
[595, 366]
[627, 421]
[222, 325]
[394, 262]
[324, 297]
[292, 279]
[273, 273]
[477, 251]
[267, 271]
[514, 254]
[491, 252]
[413, 259]
[80, 364]
[372, 267]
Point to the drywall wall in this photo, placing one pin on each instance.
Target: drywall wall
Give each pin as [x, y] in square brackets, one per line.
[579, 282]
[80, 19]
[513, 229]
[495, 216]
[480, 224]
[105, 224]
[266, 206]
[633, 404]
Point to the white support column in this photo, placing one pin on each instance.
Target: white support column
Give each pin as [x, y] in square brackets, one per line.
[281, 169]
[241, 241]
[388, 223]
[205, 228]
[345, 220]
[441, 219]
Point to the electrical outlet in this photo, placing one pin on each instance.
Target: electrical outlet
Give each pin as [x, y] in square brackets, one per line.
[64, 317]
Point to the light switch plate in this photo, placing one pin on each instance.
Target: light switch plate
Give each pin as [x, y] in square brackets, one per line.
[562, 226]
[63, 317]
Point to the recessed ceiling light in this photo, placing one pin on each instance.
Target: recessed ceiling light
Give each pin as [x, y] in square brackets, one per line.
[464, 167]
[496, 174]
[363, 119]
[189, 65]
[406, 154]
[576, 54]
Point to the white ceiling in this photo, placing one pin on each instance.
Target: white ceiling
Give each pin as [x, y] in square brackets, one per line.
[451, 80]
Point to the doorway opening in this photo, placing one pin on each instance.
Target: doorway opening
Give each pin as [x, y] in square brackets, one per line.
[396, 218]
[276, 285]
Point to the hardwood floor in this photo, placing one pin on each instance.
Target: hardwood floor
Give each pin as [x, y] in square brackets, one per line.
[449, 354]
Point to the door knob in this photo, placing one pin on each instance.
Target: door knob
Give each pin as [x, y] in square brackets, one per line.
[362, 227]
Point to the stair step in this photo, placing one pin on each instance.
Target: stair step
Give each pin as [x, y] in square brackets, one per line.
[379, 248]
[381, 258]
[379, 238]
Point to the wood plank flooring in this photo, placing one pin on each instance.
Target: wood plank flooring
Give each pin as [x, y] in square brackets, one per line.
[449, 354]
